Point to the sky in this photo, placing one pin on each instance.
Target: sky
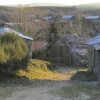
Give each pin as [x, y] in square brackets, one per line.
[65, 2]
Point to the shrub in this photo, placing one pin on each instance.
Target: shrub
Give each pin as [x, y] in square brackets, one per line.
[13, 50]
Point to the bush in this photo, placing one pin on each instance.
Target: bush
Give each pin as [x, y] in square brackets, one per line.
[12, 51]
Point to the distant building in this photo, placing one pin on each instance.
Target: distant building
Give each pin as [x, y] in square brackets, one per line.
[94, 55]
[49, 18]
[68, 17]
[92, 18]
[26, 38]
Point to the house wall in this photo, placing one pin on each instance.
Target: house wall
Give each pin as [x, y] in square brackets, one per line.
[94, 61]
[93, 58]
[91, 55]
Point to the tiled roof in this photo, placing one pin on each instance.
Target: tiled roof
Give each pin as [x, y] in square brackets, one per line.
[94, 40]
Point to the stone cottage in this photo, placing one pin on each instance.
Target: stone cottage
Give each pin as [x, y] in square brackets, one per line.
[94, 55]
[70, 49]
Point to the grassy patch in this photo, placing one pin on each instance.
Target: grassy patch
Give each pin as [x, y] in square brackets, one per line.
[79, 92]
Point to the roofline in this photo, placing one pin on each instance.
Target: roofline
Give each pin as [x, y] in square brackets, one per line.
[19, 34]
[93, 39]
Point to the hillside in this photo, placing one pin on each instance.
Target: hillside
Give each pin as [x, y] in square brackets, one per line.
[6, 12]
[88, 7]
[35, 12]
[39, 12]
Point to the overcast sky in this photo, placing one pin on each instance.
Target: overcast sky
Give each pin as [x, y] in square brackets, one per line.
[67, 2]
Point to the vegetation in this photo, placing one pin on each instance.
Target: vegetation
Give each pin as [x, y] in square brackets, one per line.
[34, 66]
[12, 51]
[39, 69]
[15, 64]
[20, 14]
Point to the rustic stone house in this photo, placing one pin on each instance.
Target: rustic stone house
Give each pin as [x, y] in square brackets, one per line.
[59, 52]
[70, 49]
[94, 55]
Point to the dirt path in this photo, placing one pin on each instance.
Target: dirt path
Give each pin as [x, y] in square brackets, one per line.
[37, 89]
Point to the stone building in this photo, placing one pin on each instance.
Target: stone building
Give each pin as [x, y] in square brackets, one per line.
[70, 49]
[94, 55]
[69, 18]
